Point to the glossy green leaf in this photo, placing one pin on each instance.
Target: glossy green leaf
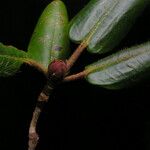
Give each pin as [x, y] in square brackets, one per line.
[121, 69]
[11, 59]
[103, 23]
[50, 38]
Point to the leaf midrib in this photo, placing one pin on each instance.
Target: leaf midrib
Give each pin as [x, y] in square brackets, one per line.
[89, 36]
[27, 61]
[109, 64]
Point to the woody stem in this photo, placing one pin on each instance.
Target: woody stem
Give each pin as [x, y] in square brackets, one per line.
[42, 100]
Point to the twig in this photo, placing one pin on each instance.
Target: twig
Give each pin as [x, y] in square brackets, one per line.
[55, 74]
[33, 136]
[42, 100]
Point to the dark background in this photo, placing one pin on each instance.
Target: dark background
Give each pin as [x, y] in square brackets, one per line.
[78, 116]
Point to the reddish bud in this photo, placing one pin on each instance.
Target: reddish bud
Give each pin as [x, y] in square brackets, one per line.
[57, 68]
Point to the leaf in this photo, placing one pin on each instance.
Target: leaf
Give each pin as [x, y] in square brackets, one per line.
[12, 51]
[122, 69]
[102, 24]
[50, 38]
[11, 59]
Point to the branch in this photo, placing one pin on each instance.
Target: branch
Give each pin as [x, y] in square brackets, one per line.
[56, 71]
[33, 136]
[42, 100]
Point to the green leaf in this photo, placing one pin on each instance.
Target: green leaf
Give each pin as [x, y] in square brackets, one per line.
[11, 59]
[50, 38]
[12, 51]
[122, 69]
[102, 24]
